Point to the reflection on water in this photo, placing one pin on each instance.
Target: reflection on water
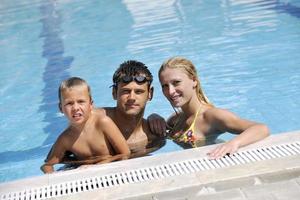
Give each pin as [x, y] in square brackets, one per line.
[156, 25]
[55, 70]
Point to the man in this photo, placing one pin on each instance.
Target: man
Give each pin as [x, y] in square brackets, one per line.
[132, 90]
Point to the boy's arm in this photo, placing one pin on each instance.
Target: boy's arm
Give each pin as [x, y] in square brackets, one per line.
[96, 160]
[112, 158]
[55, 155]
[114, 136]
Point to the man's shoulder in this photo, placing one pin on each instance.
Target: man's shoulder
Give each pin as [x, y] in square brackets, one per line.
[106, 111]
[103, 112]
[99, 112]
[102, 116]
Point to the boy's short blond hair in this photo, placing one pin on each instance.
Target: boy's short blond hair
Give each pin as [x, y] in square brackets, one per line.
[73, 82]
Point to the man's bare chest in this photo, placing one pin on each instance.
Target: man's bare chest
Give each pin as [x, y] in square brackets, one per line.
[137, 141]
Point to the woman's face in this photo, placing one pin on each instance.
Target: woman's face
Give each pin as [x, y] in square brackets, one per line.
[177, 87]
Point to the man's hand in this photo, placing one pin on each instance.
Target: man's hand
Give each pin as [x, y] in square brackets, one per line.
[157, 124]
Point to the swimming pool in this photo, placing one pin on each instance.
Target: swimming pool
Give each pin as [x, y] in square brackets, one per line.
[247, 54]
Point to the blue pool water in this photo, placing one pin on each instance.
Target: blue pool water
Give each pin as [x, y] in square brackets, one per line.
[246, 51]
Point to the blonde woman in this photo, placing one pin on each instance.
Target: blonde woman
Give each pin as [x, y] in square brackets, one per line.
[197, 122]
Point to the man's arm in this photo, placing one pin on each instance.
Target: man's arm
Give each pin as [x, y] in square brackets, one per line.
[154, 143]
[157, 124]
[152, 146]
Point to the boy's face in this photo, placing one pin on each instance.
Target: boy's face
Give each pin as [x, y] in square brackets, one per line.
[132, 97]
[76, 104]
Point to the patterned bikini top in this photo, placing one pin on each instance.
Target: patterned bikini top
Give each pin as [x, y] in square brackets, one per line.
[188, 137]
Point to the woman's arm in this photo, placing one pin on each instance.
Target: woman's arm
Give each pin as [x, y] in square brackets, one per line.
[248, 131]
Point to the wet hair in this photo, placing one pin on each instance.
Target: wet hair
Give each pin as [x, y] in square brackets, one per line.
[73, 82]
[188, 68]
[131, 68]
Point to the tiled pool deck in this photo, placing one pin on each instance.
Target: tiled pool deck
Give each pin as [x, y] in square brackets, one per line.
[269, 169]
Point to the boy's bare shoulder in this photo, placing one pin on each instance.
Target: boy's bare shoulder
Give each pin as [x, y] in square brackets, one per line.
[65, 136]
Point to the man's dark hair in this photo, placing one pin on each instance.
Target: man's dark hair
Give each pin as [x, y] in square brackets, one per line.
[132, 68]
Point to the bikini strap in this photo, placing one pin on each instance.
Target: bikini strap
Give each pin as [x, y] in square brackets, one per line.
[179, 119]
[196, 115]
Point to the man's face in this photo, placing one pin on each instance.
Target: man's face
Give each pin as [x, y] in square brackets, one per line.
[132, 97]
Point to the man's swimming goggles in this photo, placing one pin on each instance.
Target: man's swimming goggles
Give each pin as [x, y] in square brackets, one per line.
[128, 79]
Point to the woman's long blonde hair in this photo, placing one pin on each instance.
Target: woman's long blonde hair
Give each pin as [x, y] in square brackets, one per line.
[187, 67]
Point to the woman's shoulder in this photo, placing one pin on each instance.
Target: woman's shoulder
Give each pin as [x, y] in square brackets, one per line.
[216, 113]
[215, 119]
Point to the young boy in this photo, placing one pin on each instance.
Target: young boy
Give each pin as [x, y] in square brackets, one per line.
[91, 136]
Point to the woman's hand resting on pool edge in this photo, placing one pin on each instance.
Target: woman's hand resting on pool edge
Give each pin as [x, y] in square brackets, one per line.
[226, 148]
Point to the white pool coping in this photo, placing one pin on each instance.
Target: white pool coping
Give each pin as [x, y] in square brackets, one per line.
[164, 183]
